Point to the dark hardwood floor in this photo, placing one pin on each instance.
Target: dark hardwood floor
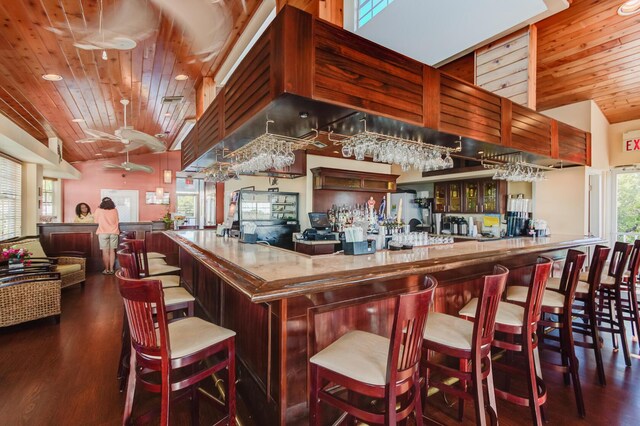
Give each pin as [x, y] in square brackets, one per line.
[65, 374]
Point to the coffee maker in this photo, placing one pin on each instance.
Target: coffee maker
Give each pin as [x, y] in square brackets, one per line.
[426, 205]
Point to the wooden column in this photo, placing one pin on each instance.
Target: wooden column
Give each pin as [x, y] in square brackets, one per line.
[205, 93]
[329, 10]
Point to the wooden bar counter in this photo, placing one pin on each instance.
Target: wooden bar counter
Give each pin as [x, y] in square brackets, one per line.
[286, 306]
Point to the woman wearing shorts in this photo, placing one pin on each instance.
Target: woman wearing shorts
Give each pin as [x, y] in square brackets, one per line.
[106, 216]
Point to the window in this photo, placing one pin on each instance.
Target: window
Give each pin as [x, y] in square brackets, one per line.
[187, 196]
[367, 9]
[10, 198]
[47, 208]
[627, 205]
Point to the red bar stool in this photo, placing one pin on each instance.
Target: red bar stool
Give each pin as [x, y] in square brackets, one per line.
[559, 303]
[518, 325]
[153, 269]
[180, 353]
[610, 296]
[177, 300]
[375, 367]
[628, 287]
[584, 309]
[131, 235]
[470, 342]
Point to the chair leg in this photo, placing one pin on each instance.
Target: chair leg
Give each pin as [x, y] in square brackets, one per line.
[165, 399]
[314, 401]
[131, 388]
[570, 348]
[491, 394]
[595, 336]
[190, 309]
[531, 380]
[538, 369]
[231, 386]
[622, 330]
[464, 367]
[478, 392]
[195, 405]
[633, 301]
[417, 399]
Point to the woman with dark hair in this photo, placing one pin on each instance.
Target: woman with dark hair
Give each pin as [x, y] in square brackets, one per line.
[107, 218]
[83, 214]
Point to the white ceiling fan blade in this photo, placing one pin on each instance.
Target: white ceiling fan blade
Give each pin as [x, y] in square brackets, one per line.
[87, 140]
[112, 166]
[101, 135]
[133, 167]
[135, 136]
[132, 146]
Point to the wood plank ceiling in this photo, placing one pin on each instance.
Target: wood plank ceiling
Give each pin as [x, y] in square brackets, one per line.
[91, 87]
[589, 52]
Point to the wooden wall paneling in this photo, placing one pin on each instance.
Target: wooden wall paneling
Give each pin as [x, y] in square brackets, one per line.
[573, 144]
[189, 148]
[292, 53]
[506, 109]
[209, 127]
[532, 67]
[188, 272]
[530, 131]
[469, 111]
[502, 67]
[70, 241]
[207, 287]
[354, 72]
[555, 140]
[588, 153]
[332, 11]
[463, 68]
[431, 97]
[248, 90]
[157, 241]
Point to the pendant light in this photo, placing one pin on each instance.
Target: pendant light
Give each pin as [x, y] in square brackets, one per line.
[159, 189]
[166, 174]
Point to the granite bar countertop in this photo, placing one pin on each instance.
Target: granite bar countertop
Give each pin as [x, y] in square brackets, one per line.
[267, 273]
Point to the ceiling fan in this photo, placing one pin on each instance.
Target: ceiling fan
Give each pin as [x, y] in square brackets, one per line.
[129, 166]
[132, 139]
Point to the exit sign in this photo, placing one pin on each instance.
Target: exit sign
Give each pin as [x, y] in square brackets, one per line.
[631, 141]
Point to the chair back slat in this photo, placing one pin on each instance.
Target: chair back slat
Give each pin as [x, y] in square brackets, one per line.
[144, 301]
[487, 308]
[128, 264]
[598, 261]
[634, 263]
[618, 263]
[408, 332]
[139, 249]
[537, 285]
[570, 276]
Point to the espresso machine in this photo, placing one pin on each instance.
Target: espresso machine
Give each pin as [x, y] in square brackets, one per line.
[426, 206]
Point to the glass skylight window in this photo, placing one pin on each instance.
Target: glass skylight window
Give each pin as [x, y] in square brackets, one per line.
[367, 9]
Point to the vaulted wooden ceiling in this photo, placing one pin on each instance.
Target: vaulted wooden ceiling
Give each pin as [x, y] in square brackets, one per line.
[589, 52]
[92, 87]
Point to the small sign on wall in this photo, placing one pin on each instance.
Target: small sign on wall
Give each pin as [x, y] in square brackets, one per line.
[631, 141]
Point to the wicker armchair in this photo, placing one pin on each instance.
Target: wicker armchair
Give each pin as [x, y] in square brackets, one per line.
[29, 296]
[72, 269]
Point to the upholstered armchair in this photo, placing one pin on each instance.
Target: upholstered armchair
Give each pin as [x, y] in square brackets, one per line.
[72, 267]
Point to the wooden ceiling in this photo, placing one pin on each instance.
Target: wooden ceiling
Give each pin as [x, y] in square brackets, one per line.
[589, 52]
[92, 87]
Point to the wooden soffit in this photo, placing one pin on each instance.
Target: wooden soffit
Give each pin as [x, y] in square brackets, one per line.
[304, 64]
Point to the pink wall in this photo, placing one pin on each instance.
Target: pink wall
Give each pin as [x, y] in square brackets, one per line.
[94, 178]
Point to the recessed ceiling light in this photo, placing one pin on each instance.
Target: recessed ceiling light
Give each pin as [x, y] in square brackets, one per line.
[629, 7]
[181, 77]
[78, 120]
[167, 114]
[52, 77]
[98, 154]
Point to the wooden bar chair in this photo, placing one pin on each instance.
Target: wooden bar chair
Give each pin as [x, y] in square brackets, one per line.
[366, 364]
[182, 353]
[610, 297]
[629, 294]
[150, 269]
[516, 332]
[585, 321]
[470, 342]
[131, 235]
[177, 301]
[559, 304]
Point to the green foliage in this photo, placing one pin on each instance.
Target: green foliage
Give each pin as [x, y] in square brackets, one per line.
[628, 203]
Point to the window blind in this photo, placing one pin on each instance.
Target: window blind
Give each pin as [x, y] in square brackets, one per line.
[10, 198]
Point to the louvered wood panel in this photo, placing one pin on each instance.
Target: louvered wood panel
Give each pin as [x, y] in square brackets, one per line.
[209, 127]
[357, 73]
[189, 148]
[572, 144]
[248, 90]
[530, 131]
[466, 110]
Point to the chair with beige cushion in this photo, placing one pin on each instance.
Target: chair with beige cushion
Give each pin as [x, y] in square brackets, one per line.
[131, 235]
[72, 269]
[469, 342]
[368, 366]
[557, 307]
[158, 269]
[516, 328]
